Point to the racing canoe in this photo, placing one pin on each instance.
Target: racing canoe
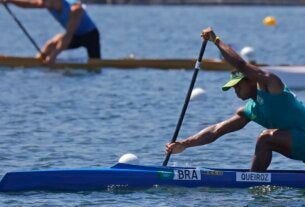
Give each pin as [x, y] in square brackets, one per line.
[137, 176]
[96, 64]
[293, 76]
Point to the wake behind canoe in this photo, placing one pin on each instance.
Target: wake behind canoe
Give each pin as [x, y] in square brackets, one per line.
[137, 176]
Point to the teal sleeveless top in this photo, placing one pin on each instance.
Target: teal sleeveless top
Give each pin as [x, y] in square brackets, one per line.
[276, 111]
[85, 25]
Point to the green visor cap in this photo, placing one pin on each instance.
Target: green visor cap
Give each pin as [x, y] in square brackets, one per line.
[235, 77]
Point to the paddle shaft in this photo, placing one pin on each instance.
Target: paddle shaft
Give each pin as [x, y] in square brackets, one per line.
[22, 27]
[187, 99]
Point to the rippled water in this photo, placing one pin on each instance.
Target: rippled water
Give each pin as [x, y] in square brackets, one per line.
[53, 119]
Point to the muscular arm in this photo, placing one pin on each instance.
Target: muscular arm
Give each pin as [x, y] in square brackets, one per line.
[73, 22]
[266, 81]
[74, 19]
[212, 133]
[26, 3]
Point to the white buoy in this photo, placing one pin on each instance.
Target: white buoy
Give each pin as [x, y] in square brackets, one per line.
[196, 93]
[129, 158]
[248, 54]
[131, 56]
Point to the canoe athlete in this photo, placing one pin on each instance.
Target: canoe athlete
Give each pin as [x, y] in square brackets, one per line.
[269, 103]
[80, 29]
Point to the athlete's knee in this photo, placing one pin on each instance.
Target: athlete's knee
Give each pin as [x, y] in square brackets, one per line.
[265, 138]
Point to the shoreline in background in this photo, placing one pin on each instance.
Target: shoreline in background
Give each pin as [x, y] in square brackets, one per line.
[201, 2]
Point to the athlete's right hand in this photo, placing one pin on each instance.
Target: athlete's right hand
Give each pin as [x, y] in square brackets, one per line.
[175, 147]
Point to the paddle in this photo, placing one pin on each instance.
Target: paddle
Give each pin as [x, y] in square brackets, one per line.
[187, 99]
[22, 27]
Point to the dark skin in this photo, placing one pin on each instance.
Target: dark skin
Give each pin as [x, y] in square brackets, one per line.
[59, 42]
[269, 140]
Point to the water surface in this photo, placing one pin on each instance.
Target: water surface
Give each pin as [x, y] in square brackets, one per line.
[52, 119]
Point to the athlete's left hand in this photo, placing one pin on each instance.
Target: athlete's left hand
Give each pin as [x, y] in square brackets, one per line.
[55, 46]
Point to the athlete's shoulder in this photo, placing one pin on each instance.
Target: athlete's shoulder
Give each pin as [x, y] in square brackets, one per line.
[272, 84]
